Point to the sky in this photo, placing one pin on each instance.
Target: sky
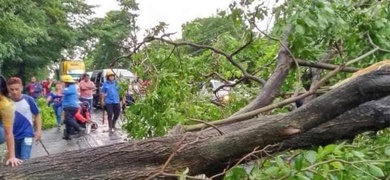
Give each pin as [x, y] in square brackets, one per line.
[173, 12]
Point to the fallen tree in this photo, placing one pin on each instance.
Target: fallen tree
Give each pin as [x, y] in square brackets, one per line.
[338, 114]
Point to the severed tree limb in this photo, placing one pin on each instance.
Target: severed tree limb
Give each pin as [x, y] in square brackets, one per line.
[204, 152]
[251, 114]
[271, 89]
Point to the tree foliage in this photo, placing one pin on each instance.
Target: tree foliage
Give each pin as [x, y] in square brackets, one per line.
[35, 33]
[337, 30]
[367, 157]
[112, 36]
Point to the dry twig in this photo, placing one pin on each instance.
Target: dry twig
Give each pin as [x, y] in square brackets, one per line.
[208, 124]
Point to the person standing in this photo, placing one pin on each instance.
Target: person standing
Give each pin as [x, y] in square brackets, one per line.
[26, 113]
[34, 88]
[110, 100]
[70, 106]
[55, 99]
[46, 87]
[7, 112]
[86, 90]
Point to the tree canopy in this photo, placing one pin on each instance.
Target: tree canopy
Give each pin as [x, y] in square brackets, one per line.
[311, 46]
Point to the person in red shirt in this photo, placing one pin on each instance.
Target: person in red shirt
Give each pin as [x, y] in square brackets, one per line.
[46, 87]
[83, 117]
[34, 88]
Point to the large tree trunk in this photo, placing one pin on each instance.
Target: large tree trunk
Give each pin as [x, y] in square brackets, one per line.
[338, 114]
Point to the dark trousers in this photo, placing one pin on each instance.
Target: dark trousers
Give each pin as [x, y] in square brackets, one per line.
[113, 111]
[70, 120]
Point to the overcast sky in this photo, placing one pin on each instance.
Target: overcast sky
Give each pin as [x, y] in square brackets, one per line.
[173, 12]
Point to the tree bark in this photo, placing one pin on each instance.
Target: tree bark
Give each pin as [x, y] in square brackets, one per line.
[334, 115]
[271, 88]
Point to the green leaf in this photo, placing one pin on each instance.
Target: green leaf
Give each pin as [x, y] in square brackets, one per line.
[310, 156]
[387, 150]
[358, 154]
[375, 171]
[329, 149]
[329, 10]
[299, 29]
[298, 162]
[279, 161]
[338, 165]
[317, 177]
[236, 173]
[309, 22]
[303, 177]
[271, 170]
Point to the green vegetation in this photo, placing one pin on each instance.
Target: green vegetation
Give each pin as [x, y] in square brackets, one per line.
[34, 33]
[366, 158]
[47, 114]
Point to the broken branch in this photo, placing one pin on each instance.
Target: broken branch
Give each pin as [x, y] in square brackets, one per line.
[253, 113]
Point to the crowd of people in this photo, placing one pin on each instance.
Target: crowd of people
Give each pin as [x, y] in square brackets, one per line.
[19, 113]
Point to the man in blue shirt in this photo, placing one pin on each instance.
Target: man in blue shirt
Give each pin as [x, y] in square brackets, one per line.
[26, 113]
[110, 100]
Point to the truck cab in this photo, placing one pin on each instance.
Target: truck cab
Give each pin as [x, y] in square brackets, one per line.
[74, 68]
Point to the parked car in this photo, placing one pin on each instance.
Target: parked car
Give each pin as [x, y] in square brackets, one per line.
[222, 96]
[99, 77]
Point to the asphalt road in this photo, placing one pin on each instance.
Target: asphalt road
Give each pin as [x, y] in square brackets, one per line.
[52, 142]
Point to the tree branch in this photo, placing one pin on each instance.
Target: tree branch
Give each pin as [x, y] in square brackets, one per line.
[128, 55]
[271, 89]
[324, 66]
[229, 57]
[229, 85]
[216, 74]
[251, 114]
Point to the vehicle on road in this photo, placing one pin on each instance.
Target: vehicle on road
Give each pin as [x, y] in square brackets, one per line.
[89, 73]
[74, 68]
[222, 94]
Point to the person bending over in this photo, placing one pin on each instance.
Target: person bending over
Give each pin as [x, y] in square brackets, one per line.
[83, 118]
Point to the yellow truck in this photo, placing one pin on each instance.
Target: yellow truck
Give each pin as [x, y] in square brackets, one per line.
[74, 68]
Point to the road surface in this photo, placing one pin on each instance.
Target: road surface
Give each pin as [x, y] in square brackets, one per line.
[52, 142]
